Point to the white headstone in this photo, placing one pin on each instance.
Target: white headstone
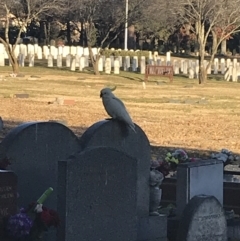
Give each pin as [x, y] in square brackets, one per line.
[21, 59]
[126, 63]
[31, 60]
[79, 50]
[73, 50]
[134, 64]
[30, 49]
[185, 67]
[176, 66]
[45, 51]
[16, 50]
[85, 51]
[108, 66]
[2, 60]
[77, 58]
[60, 50]
[36, 48]
[53, 51]
[50, 60]
[116, 66]
[59, 61]
[82, 63]
[191, 73]
[73, 64]
[216, 64]
[228, 62]
[66, 51]
[222, 65]
[100, 64]
[68, 60]
[23, 49]
[39, 53]
[234, 74]
[168, 58]
[143, 65]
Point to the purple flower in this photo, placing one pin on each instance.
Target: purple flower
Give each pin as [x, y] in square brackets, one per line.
[19, 225]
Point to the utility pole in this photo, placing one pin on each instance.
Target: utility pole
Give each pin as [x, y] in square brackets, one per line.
[126, 28]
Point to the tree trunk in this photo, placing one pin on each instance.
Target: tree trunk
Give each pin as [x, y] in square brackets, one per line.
[94, 61]
[202, 70]
[214, 42]
[224, 47]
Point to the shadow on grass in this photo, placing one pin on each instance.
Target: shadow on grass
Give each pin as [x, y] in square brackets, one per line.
[156, 151]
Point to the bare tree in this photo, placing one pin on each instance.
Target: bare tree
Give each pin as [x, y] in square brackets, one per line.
[22, 13]
[105, 20]
[208, 17]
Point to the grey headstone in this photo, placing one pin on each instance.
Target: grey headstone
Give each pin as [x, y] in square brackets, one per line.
[197, 178]
[97, 196]
[152, 228]
[203, 219]
[113, 133]
[34, 150]
[8, 196]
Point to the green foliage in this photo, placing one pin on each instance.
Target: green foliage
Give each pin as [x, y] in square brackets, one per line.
[108, 52]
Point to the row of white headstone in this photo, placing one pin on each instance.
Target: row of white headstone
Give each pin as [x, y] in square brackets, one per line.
[77, 57]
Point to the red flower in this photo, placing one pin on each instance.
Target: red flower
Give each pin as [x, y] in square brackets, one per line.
[49, 217]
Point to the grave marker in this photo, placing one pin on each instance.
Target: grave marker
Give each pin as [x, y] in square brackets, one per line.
[8, 197]
[203, 219]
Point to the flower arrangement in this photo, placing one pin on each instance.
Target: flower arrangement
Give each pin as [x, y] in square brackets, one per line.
[30, 223]
[171, 161]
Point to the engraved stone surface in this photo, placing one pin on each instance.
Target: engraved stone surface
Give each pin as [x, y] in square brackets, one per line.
[8, 196]
[203, 219]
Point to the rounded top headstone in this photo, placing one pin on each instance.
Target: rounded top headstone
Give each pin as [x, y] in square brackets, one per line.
[115, 134]
[203, 219]
[34, 149]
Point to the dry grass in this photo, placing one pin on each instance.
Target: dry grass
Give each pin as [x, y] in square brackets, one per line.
[182, 114]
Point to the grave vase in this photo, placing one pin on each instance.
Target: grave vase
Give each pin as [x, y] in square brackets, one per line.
[154, 202]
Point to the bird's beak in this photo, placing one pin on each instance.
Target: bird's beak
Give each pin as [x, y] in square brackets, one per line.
[100, 95]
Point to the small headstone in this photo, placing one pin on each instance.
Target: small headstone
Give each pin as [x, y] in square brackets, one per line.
[59, 61]
[203, 219]
[73, 64]
[68, 60]
[143, 65]
[100, 64]
[99, 204]
[196, 178]
[112, 61]
[116, 66]
[2, 60]
[82, 63]
[108, 66]
[50, 60]
[134, 64]
[8, 196]
[21, 59]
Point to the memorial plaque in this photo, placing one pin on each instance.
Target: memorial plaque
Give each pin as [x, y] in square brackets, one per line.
[8, 197]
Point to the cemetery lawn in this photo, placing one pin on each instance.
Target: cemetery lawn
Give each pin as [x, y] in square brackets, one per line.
[181, 114]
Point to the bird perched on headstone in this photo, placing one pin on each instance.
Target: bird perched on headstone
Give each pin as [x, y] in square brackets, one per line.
[115, 107]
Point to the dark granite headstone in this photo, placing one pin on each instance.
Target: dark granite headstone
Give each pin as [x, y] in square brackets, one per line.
[8, 197]
[203, 219]
[112, 133]
[34, 150]
[97, 196]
